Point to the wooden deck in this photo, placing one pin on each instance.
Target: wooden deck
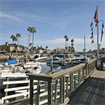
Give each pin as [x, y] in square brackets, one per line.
[92, 92]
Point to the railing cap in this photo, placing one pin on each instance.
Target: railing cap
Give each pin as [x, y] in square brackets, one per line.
[42, 77]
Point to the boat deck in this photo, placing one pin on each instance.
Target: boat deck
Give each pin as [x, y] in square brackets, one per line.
[92, 92]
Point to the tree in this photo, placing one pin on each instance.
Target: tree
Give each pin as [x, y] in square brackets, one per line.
[18, 35]
[46, 47]
[33, 30]
[72, 40]
[67, 39]
[12, 36]
[33, 48]
[66, 42]
[29, 30]
[69, 49]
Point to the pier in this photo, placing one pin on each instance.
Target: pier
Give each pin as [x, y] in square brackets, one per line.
[81, 84]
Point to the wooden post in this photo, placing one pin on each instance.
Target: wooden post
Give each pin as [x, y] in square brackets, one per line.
[79, 77]
[71, 82]
[86, 70]
[38, 93]
[67, 86]
[83, 77]
[55, 95]
[62, 89]
[31, 91]
[51, 63]
[50, 93]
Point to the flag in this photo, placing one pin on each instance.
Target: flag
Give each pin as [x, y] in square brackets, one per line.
[91, 24]
[91, 37]
[92, 41]
[92, 29]
[102, 25]
[92, 33]
[101, 37]
[101, 34]
[95, 17]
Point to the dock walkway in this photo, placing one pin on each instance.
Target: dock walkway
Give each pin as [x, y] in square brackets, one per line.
[92, 92]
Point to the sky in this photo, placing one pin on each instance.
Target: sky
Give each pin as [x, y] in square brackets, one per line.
[52, 19]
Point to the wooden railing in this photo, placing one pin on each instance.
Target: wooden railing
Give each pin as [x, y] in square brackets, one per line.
[59, 87]
[48, 88]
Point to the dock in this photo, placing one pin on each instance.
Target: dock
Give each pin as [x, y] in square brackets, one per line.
[92, 92]
[82, 84]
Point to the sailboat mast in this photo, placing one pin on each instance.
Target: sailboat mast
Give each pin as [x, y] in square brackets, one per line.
[84, 45]
[97, 35]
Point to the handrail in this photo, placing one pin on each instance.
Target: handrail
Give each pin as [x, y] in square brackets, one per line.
[65, 82]
[59, 85]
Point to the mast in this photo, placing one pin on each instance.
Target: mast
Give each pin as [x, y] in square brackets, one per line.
[97, 35]
[84, 46]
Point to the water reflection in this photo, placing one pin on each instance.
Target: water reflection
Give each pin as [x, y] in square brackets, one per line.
[56, 67]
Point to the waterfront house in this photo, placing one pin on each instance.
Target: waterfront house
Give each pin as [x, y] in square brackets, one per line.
[13, 48]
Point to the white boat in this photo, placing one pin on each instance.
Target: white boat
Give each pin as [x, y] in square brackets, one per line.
[18, 72]
[55, 60]
[81, 59]
[32, 67]
[39, 58]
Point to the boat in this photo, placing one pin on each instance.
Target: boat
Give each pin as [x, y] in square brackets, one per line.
[81, 59]
[39, 58]
[6, 69]
[10, 62]
[55, 60]
[32, 67]
[18, 72]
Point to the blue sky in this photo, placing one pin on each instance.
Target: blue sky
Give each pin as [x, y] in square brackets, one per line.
[52, 19]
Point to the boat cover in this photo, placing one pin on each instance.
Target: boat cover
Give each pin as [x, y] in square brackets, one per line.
[10, 62]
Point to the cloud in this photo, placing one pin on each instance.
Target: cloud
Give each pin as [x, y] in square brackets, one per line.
[3, 15]
[33, 16]
[60, 20]
[62, 41]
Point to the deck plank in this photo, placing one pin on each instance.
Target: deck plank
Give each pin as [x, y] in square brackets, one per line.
[92, 92]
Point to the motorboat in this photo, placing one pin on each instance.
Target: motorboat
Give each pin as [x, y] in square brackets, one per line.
[39, 58]
[82, 59]
[32, 67]
[18, 72]
[55, 60]
[6, 71]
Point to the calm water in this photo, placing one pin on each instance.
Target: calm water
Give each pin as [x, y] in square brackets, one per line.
[56, 67]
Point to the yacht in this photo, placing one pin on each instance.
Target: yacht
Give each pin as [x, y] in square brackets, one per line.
[32, 67]
[55, 60]
[39, 58]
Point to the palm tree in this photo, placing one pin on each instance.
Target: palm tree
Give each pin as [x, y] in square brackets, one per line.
[46, 47]
[15, 39]
[72, 40]
[33, 30]
[69, 49]
[29, 30]
[12, 36]
[18, 35]
[65, 40]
